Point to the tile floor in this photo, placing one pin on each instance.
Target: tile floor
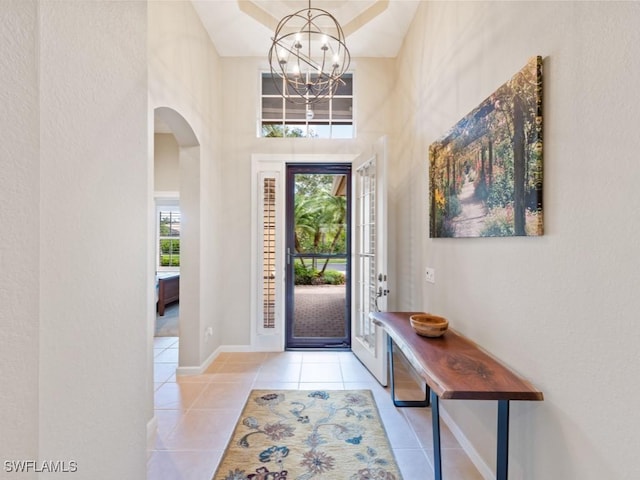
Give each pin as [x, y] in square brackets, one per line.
[196, 414]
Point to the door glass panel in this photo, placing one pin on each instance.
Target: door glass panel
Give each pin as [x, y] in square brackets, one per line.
[318, 310]
[320, 213]
[366, 231]
[320, 298]
[370, 259]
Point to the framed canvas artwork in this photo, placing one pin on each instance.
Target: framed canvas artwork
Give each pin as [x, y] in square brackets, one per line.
[485, 175]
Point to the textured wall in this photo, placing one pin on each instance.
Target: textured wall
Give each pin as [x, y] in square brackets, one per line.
[561, 309]
[19, 252]
[166, 164]
[94, 197]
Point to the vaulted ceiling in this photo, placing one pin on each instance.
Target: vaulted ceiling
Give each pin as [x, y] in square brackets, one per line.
[242, 28]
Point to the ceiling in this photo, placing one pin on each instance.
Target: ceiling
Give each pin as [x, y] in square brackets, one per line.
[243, 28]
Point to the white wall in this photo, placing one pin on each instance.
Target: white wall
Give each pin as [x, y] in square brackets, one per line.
[184, 75]
[166, 163]
[19, 251]
[561, 309]
[373, 84]
[93, 236]
[74, 179]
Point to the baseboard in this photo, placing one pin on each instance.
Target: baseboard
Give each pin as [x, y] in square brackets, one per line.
[484, 469]
[200, 369]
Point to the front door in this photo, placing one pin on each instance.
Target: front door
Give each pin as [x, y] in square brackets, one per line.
[318, 239]
[370, 259]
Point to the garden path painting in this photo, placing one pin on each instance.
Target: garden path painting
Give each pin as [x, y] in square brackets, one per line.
[485, 175]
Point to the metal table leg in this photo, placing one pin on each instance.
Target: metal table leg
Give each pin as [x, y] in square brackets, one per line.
[403, 403]
[502, 465]
[435, 422]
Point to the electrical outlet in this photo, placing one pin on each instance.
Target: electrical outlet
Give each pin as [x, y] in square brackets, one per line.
[430, 275]
[208, 332]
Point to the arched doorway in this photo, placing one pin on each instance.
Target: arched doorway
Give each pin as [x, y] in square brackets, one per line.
[186, 193]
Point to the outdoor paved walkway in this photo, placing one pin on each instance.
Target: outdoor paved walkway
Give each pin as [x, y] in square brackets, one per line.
[319, 311]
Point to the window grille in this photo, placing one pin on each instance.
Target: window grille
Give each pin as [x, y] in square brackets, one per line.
[169, 229]
[331, 118]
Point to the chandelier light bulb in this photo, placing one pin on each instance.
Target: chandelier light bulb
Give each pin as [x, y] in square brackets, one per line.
[282, 57]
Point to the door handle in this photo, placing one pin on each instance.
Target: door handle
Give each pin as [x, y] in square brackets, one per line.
[382, 291]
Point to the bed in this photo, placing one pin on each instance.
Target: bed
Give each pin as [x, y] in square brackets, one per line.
[168, 290]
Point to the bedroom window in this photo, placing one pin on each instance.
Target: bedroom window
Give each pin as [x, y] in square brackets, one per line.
[169, 239]
[331, 118]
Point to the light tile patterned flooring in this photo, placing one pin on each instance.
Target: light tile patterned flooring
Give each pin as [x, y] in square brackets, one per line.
[196, 414]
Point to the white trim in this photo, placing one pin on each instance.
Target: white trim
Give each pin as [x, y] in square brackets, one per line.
[274, 164]
[304, 158]
[484, 469]
[200, 369]
[261, 339]
[166, 197]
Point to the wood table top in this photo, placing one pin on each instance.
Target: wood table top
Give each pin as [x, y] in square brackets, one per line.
[454, 366]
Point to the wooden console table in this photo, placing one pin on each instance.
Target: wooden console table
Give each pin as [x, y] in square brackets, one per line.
[454, 367]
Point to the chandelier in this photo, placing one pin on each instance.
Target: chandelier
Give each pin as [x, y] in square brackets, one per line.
[308, 56]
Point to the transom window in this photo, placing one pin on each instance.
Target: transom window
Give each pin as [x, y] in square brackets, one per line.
[329, 118]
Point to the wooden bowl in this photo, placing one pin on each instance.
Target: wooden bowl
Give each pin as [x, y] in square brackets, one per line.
[428, 325]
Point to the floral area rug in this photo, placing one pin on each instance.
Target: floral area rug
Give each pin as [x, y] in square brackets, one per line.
[303, 435]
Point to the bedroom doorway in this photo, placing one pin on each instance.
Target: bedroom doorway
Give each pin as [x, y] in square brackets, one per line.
[177, 172]
[168, 232]
[318, 264]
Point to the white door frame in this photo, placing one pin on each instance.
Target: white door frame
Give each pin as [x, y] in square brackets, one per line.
[274, 165]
